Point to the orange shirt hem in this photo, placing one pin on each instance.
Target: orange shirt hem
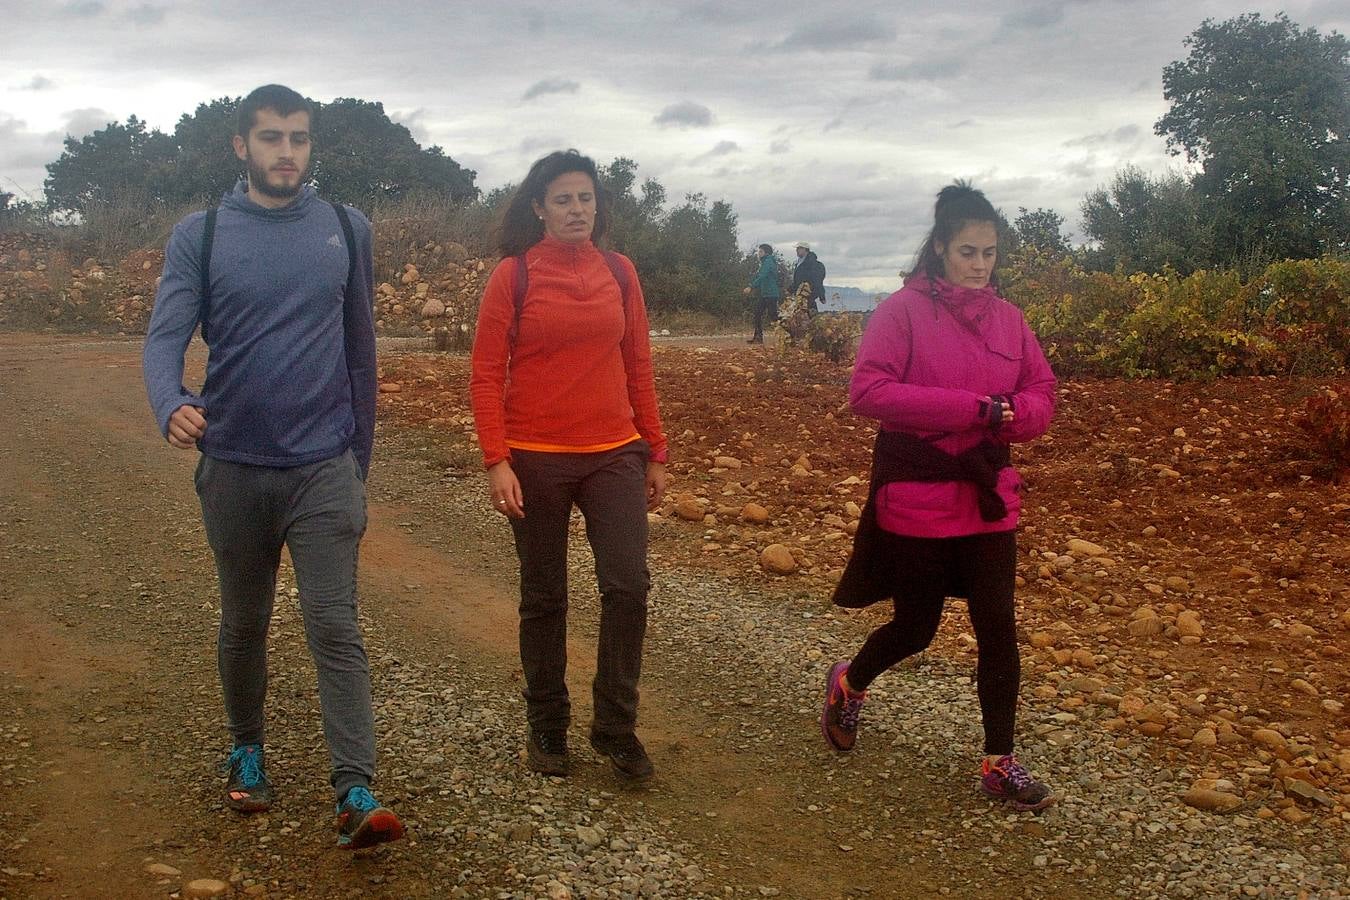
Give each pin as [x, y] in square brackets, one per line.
[564, 448]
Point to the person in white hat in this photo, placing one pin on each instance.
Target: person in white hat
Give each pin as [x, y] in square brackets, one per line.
[809, 270]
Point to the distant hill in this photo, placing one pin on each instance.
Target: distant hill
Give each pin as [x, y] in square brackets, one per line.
[849, 298]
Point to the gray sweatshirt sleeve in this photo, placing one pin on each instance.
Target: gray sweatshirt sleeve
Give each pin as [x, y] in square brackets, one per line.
[359, 338]
[175, 316]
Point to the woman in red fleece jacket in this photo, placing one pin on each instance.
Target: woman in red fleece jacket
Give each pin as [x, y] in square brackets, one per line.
[565, 408]
[954, 375]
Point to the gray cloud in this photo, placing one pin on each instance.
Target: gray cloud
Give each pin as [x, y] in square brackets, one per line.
[81, 122]
[415, 122]
[550, 86]
[39, 83]
[843, 33]
[147, 14]
[23, 154]
[721, 149]
[1125, 134]
[537, 23]
[85, 9]
[10, 127]
[1035, 17]
[919, 70]
[773, 79]
[1082, 170]
[686, 114]
[715, 12]
[865, 226]
[546, 142]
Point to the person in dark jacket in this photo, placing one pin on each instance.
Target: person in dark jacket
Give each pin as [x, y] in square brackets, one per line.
[809, 270]
[764, 287]
[284, 424]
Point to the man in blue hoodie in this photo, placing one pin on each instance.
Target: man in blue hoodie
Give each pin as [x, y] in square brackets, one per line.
[280, 282]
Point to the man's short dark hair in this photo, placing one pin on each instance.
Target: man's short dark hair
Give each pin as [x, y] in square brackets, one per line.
[276, 97]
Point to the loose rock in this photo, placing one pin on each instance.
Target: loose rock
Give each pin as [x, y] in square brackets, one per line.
[778, 559]
[754, 514]
[1211, 800]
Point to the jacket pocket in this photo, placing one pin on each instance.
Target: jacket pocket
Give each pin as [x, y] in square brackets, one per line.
[1005, 346]
[1004, 362]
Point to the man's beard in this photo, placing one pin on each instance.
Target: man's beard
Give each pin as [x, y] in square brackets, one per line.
[257, 181]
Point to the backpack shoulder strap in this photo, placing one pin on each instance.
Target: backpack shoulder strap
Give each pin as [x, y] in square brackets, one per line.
[620, 273]
[522, 285]
[350, 236]
[518, 289]
[204, 267]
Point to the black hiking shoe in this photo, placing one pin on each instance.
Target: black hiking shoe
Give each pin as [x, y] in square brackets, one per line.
[546, 752]
[626, 754]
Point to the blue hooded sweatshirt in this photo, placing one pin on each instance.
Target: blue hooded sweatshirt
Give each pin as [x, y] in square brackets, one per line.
[290, 375]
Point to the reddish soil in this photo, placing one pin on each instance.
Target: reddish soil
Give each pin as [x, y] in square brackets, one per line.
[1205, 496]
[110, 703]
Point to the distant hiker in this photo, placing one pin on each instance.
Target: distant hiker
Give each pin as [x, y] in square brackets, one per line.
[766, 290]
[954, 375]
[280, 282]
[811, 271]
[564, 403]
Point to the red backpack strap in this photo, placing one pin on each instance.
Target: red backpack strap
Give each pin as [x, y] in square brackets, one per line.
[518, 289]
[522, 285]
[620, 273]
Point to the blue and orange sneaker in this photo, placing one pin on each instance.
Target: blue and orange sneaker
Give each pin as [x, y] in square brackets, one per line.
[362, 822]
[247, 789]
[842, 709]
[1008, 780]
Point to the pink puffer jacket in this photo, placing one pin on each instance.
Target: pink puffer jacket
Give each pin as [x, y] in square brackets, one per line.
[924, 364]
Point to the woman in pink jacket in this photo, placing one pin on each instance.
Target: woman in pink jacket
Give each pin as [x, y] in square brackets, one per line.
[954, 375]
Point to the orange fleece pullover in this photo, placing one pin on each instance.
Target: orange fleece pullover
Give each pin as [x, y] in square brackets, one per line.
[579, 376]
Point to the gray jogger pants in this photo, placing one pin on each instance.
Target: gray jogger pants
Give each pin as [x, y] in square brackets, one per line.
[318, 511]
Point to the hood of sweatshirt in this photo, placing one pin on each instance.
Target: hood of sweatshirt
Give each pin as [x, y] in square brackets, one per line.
[239, 200]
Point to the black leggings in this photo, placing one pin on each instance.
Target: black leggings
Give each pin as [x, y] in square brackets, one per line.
[924, 572]
[765, 308]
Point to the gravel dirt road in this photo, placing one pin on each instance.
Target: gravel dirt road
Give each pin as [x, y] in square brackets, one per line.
[111, 733]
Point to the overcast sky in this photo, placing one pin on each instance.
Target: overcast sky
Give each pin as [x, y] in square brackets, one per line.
[833, 123]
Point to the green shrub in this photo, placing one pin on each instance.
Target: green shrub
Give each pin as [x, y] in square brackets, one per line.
[1294, 318]
[1310, 292]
